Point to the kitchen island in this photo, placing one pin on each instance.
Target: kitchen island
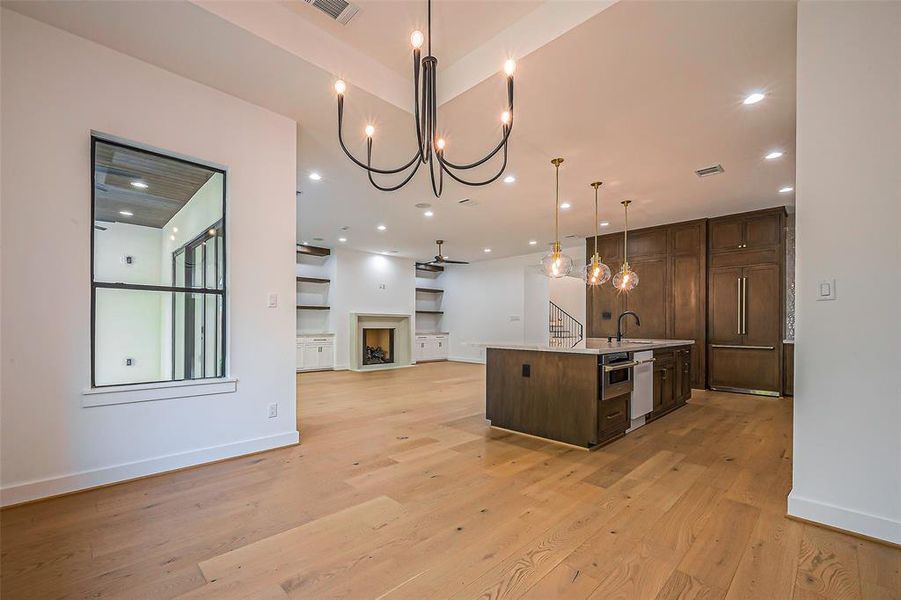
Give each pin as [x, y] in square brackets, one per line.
[585, 396]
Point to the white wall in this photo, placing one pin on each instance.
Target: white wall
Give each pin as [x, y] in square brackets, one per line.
[365, 282]
[56, 88]
[847, 406]
[497, 301]
[569, 294]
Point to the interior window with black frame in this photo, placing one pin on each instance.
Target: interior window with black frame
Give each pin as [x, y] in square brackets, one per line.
[158, 267]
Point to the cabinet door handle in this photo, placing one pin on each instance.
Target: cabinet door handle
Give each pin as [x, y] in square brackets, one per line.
[744, 306]
[738, 302]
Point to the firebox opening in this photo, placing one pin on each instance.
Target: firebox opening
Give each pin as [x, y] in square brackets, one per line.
[378, 345]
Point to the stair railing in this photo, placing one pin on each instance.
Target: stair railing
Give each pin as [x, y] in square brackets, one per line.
[565, 331]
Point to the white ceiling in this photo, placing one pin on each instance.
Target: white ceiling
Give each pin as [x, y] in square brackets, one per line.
[382, 28]
[639, 95]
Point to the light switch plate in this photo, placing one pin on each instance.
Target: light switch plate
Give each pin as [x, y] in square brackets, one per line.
[273, 301]
[826, 289]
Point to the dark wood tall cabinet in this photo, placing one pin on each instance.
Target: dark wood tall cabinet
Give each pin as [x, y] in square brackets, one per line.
[671, 263]
[745, 302]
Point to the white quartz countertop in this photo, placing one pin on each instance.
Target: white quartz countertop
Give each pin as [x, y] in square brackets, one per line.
[598, 346]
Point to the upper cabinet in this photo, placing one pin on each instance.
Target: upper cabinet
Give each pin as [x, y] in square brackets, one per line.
[750, 231]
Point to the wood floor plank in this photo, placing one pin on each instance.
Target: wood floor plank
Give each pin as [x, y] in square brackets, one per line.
[828, 564]
[401, 490]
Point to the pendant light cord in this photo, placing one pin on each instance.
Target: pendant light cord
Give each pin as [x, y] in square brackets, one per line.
[557, 206]
[596, 220]
[626, 234]
[430, 27]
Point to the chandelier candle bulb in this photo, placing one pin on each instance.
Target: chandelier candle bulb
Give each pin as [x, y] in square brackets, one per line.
[370, 130]
[510, 67]
[340, 87]
[416, 39]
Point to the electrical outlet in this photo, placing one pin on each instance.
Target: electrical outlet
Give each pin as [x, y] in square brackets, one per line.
[129, 362]
[273, 411]
[273, 301]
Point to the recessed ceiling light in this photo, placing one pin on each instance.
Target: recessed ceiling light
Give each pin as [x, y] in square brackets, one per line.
[429, 213]
[565, 205]
[533, 242]
[604, 223]
[786, 189]
[754, 98]
[315, 176]
[509, 179]
[486, 250]
[140, 185]
[342, 240]
[773, 154]
[381, 228]
[126, 213]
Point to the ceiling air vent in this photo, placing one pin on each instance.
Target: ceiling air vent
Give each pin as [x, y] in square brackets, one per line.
[708, 171]
[339, 10]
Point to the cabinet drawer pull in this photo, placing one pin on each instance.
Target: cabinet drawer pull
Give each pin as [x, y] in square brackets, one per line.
[614, 415]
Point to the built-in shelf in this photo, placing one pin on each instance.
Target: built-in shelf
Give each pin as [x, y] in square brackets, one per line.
[312, 280]
[430, 290]
[431, 312]
[312, 250]
[312, 307]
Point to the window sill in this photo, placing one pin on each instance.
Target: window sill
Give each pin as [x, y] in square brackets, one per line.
[147, 392]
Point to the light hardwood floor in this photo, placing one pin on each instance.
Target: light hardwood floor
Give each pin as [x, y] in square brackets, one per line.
[400, 490]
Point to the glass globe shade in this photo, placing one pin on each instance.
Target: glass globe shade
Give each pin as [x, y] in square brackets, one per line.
[595, 273]
[626, 279]
[557, 264]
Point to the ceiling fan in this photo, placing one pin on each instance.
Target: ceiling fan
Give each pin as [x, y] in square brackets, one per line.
[440, 259]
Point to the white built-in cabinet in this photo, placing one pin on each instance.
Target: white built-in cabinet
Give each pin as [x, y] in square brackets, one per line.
[315, 353]
[429, 346]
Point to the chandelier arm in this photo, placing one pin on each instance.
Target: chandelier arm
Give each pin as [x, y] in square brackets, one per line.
[507, 128]
[472, 165]
[417, 89]
[447, 168]
[388, 188]
[354, 159]
[436, 191]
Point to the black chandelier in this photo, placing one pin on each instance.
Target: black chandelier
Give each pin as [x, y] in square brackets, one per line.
[430, 146]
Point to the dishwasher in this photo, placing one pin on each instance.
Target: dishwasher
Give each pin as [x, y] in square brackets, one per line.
[642, 388]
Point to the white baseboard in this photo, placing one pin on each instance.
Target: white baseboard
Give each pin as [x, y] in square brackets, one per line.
[839, 517]
[64, 484]
[466, 359]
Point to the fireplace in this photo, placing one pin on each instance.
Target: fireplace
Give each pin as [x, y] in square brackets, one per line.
[378, 345]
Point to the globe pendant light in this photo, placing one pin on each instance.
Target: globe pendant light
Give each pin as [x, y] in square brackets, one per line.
[626, 279]
[557, 264]
[596, 272]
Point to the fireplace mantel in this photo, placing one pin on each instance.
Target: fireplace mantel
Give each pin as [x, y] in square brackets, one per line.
[403, 339]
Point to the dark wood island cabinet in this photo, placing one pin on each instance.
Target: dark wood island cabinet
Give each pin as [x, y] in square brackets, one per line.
[559, 394]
